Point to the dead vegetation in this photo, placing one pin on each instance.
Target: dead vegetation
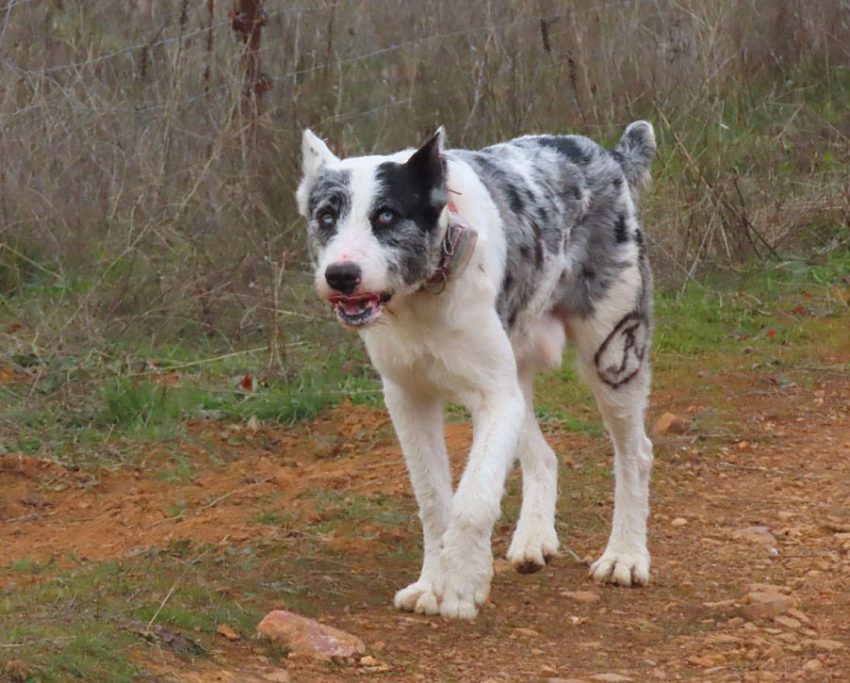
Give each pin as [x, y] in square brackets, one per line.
[141, 187]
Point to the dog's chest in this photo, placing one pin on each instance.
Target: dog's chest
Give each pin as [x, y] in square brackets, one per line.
[416, 355]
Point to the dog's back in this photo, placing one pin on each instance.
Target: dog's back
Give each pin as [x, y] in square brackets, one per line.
[569, 216]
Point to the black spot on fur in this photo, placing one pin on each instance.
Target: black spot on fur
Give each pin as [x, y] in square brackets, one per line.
[415, 191]
[515, 201]
[567, 145]
[620, 231]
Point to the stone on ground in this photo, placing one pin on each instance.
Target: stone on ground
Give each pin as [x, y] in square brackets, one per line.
[309, 638]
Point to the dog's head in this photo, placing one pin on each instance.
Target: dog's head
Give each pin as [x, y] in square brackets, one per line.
[373, 224]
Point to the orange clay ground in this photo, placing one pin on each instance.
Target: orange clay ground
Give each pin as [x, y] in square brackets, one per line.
[340, 524]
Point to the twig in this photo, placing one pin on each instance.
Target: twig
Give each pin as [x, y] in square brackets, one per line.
[176, 583]
[216, 501]
[203, 361]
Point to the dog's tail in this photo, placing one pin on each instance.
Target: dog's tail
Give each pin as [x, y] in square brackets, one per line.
[635, 152]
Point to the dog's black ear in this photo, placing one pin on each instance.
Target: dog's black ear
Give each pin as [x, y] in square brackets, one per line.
[429, 168]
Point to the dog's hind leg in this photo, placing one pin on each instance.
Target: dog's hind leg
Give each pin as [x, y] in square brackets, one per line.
[418, 421]
[613, 361]
[535, 540]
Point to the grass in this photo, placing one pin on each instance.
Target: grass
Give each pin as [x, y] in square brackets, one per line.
[70, 407]
[88, 623]
[82, 618]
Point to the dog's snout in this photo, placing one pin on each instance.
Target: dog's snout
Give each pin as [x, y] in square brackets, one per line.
[343, 277]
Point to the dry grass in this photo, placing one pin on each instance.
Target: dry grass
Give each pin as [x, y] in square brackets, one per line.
[136, 192]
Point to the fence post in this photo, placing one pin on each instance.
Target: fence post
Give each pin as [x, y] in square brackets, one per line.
[248, 19]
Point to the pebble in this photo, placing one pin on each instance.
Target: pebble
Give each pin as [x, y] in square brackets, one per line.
[669, 423]
[582, 596]
[827, 645]
[766, 604]
[787, 622]
[530, 632]
[501, 566]
[812, 665]
[228, 632]
[755, 534]
[679, 522]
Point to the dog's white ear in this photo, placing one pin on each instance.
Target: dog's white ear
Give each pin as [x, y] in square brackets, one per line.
[314, 154]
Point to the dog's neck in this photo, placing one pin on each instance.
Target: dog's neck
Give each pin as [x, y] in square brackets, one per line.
[456, 247]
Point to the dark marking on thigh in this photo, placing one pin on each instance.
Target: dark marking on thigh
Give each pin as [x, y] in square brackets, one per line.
[619, 358]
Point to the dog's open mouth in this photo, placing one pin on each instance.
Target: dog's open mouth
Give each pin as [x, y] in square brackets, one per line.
[359, 309]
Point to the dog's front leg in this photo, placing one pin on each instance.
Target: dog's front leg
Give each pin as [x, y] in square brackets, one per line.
[466, 556]
[418, 422]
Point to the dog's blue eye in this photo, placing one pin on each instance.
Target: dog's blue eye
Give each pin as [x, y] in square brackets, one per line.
[327, 219]
[385, 217]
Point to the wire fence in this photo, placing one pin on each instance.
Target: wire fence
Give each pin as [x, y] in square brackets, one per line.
[133, 54]
[137, 170]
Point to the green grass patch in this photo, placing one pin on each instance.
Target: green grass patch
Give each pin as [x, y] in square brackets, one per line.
[765, 309]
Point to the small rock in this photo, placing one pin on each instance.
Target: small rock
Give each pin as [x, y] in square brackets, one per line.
[773, 651]
[800, 616]
[812, 665]
[719, 604]
[277, 676]
[307, 637]
[670, 423]
[501, 566]
[755, 534]
[368, 660]
[612, 678]
[766, 604]
[529, 632]
[704, 662]
[679, 521]
[827, 645]
[228, 632]
[379, 646]
[582, 596]
[767, 588]
[547, 670]
[590, 644]
[787, 622]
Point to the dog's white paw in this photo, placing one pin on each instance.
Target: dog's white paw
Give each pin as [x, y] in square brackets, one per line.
[466, 583]
[531, 549]
[461, 599]
[418, 597]
[621, 568]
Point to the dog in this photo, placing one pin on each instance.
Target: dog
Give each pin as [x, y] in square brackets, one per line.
[465, 273]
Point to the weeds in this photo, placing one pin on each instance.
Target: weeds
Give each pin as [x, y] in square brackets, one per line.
[194, 234]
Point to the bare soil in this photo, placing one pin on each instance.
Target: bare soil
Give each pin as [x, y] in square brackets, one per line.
[756, 492]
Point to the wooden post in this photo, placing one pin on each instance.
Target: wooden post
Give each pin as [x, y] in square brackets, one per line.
[248, 20]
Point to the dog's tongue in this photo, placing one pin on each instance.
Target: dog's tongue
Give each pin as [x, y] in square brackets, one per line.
[353, 306]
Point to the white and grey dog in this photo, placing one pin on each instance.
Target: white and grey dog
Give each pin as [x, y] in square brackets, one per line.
[559, 255]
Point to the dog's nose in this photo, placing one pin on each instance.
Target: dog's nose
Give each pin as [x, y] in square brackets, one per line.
[343, 277]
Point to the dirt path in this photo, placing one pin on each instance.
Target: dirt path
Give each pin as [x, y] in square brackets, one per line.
[755, 493]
